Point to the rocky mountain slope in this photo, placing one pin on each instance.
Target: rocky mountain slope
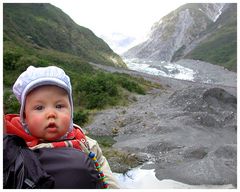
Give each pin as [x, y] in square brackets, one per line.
[201, 31]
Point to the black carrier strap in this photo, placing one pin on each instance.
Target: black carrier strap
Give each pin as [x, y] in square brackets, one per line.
[21, 167]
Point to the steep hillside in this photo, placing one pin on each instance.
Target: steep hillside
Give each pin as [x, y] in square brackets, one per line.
[45, 27]
[220, 47]
[198, 31]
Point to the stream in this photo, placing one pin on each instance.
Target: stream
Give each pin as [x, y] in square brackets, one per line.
[139, 178]
[161, 68]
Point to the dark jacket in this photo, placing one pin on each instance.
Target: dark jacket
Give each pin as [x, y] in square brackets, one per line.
[62, 168]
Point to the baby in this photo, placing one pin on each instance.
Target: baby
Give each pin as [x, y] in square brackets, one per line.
[46, 122]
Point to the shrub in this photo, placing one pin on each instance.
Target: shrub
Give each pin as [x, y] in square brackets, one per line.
[80, 117]
[11, 104]
[130, 85]
[10, 60]
[97, 91]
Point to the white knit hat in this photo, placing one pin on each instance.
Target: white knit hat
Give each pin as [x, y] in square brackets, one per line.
[34, 77]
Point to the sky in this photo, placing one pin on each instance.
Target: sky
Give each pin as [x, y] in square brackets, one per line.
[120, 23]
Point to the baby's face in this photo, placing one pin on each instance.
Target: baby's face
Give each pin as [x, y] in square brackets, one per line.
[48, 112]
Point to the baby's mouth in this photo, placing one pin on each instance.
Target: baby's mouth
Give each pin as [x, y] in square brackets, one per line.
[51, 127]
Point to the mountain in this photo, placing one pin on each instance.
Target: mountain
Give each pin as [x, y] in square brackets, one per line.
[201, 31]
[42, 26]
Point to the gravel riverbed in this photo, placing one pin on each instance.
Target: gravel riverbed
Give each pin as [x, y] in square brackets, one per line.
[188, 130]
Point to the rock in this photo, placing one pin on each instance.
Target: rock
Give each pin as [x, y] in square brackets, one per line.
[118, 167]
[226, 152]
[195, 99]
[209, 107]
[196, 153]
[208, 171]
[160, 147]
[219, 98]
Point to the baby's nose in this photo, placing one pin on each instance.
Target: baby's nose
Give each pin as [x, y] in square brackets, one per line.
[51, 114]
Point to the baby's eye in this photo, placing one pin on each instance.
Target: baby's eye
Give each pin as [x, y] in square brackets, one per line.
[39, 107]
[59, 106]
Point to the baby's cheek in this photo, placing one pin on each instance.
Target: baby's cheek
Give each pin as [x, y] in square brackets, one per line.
[37, 119]
[66, 120]
[35, 125]
[34, 121]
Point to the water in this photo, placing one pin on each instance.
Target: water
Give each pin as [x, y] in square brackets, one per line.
[161, 68]
[138, 178]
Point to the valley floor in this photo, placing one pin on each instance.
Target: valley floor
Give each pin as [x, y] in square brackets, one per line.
[188, 130]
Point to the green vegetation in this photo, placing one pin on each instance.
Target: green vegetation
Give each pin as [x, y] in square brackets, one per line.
[103, 89]
[220, 47]
[11, 104]
[103, 141]
[121, 161]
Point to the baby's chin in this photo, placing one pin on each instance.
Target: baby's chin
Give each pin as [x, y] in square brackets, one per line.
[52, 139]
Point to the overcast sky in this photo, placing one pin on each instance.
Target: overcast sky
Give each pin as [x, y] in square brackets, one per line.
[106, 16]
[121, 23]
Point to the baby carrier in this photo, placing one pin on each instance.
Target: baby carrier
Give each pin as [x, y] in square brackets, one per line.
[21, 168]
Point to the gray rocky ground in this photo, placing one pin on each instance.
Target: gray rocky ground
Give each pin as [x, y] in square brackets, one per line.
[188, 130]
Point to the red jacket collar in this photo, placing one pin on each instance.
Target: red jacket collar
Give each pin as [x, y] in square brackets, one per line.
[13, 126]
